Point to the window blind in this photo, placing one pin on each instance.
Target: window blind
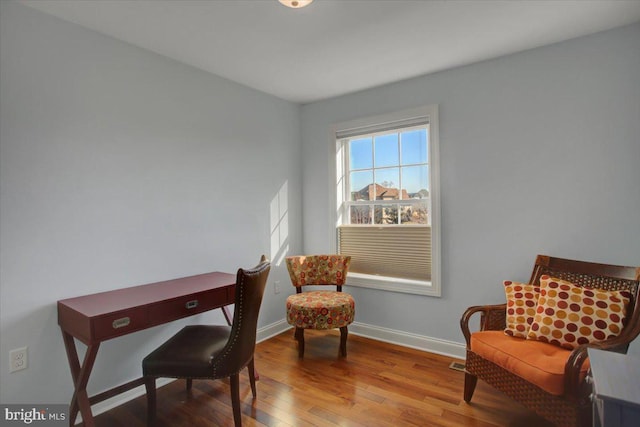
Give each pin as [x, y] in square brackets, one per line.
[398, 251]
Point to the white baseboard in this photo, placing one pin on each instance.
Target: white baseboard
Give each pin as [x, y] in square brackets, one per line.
[419, 342]
[272, 330]
[406, 339]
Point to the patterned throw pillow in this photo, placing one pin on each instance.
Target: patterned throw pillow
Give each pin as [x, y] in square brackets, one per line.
[522, 300]
[569, 315]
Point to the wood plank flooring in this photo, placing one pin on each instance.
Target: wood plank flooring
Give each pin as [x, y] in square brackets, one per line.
[377, 384]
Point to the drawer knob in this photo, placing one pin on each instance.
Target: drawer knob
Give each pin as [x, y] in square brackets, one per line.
[191, 304]
[121, 323]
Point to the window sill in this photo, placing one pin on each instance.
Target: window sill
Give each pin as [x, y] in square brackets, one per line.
[393, 284]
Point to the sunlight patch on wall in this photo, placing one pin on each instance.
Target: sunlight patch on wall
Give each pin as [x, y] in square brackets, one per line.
[279, 224]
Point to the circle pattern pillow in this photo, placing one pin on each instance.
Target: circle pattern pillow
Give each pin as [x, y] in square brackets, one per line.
[568, 315]
[522, 300]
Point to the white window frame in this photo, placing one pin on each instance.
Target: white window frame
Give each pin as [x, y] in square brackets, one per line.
[337, 191]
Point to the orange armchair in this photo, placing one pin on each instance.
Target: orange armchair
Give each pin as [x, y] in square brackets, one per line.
[548, 373]
[319, 309]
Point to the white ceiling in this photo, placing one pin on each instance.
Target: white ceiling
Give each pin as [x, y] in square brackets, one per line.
[334, 47]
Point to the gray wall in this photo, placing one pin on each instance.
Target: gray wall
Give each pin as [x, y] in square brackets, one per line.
[121, 167]
[540, 153]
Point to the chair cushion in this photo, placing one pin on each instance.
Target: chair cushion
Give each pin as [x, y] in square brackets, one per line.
[522, 300]
[568, 315]
[539, 363]
[320, 309]
[188, 353]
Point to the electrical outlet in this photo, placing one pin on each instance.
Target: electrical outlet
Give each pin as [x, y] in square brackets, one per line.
[18, 359]
[276, 287]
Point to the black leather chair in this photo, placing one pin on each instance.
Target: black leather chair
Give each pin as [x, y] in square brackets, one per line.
[213, 352]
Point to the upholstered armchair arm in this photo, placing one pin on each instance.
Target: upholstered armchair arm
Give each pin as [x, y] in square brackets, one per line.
[492, 318]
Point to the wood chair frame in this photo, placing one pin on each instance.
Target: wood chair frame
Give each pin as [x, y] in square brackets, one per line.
[573, 408]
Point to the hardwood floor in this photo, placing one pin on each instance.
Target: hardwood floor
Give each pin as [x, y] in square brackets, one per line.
[377, 384]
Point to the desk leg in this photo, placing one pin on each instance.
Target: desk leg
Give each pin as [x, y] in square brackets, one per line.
[227, 315]
[80, 374]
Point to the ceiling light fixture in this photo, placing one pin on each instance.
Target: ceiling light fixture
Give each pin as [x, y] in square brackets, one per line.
[295, 4]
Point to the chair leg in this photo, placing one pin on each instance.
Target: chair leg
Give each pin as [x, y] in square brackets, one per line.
[585, 417]
[150, 385]
[189, 383]
[234, 381]
[300, 337]
[470, 382]
[252, 377]
[343, 341]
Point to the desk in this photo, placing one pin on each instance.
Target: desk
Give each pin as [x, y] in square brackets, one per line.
[616, 389]
[95, 318]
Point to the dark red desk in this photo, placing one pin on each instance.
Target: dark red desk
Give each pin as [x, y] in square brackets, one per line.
[95, 318]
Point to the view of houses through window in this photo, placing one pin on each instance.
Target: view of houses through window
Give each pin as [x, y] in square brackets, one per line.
[388, 178]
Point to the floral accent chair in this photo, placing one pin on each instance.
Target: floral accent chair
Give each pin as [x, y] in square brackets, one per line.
[319, 309]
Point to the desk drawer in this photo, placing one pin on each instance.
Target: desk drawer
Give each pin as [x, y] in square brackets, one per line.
[186, 306]
[119, 323]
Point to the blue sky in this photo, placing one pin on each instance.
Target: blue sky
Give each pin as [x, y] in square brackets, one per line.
[393, 161]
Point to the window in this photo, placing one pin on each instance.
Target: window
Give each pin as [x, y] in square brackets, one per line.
[387, 201]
